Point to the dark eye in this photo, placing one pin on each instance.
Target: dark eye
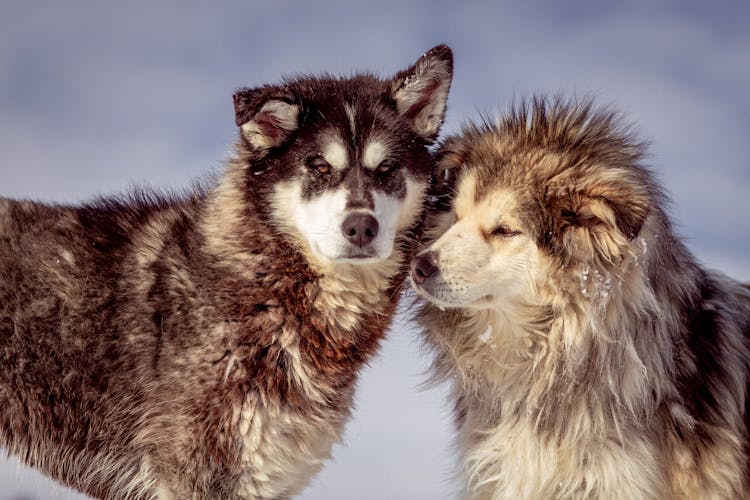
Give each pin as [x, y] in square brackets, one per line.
[568, 215]
[319, 164]
[386, 166]
[504, 231]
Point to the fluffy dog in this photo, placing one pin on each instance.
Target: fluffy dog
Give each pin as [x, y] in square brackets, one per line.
[208, 345]
[592, 357]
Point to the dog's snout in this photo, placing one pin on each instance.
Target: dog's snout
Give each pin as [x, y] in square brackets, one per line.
[423, 266]
[360, 229]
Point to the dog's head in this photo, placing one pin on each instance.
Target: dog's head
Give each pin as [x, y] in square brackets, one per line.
[551, 190]
[342, 164]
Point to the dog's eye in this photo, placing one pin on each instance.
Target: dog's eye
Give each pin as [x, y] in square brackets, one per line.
[319, 164]
[504, 231]
[386, 166]
[568, 215]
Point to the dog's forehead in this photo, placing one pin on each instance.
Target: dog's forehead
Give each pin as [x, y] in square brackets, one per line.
[486, 203]
[500, 205]
[341, 151]
[465, 192]
[355, 135]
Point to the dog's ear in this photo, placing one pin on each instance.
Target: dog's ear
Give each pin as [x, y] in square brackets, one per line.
[599, 216]
[266, 119]
[421, 92]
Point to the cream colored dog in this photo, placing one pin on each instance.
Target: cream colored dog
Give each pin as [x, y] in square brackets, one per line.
[591, 356]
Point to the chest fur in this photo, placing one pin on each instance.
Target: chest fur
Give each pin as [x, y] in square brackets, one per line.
[294, 372]
[280, 450]
[511, 459]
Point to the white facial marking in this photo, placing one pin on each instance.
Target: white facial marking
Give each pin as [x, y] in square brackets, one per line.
[411, 203]
[375, 152]
[351, 113]
[319, 220]
[336, 156]
[395, 214]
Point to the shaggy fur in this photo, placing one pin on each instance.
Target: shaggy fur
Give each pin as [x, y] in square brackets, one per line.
[196, 346]
[591, 356]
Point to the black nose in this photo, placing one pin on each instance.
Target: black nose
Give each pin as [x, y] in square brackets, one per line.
[423, 266]
[360, 229]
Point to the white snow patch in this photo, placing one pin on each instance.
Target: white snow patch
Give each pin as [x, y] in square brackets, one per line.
[584, 279]
[486, 337]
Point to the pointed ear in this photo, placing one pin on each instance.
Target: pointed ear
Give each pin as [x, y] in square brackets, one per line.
[266, 121]
[421, 92]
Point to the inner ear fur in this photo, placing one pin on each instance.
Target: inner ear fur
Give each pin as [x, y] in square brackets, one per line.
[421, 92]
[267, 118]
[599, 222]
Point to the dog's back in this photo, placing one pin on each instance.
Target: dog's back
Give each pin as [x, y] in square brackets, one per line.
[63, 301]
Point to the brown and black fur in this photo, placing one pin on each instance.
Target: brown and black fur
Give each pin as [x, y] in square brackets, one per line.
[156, 346]
[620, 367]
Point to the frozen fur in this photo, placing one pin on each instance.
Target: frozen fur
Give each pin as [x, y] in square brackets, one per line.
[207, 345]
[591, 356]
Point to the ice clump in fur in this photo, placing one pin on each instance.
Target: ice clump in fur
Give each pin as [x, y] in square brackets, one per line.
[584, 280]
[644, 244]
[487, 338]
[602, 283]
[487, 335]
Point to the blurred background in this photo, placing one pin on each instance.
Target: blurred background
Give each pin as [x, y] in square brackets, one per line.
[97, 96]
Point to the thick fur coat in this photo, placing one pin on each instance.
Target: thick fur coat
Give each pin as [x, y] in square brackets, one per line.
[200, 346]
[591, 356]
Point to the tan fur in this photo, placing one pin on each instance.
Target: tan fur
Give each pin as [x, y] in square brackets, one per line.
[591, 357]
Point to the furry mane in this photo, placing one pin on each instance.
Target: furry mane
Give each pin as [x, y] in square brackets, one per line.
[615, 323]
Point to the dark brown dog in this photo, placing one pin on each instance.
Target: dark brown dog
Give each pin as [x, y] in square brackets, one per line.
[208, 345]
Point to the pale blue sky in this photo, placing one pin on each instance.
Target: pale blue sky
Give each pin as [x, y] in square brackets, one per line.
[96, 96]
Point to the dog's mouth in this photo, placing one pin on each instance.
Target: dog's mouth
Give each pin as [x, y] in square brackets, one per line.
[430, 295]
[440, 295]
[359, 255]
[360, 258]
[421, 291]
[485, 302]
[331, 248]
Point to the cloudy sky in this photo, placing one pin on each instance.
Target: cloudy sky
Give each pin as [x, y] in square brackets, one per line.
[97, 96]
